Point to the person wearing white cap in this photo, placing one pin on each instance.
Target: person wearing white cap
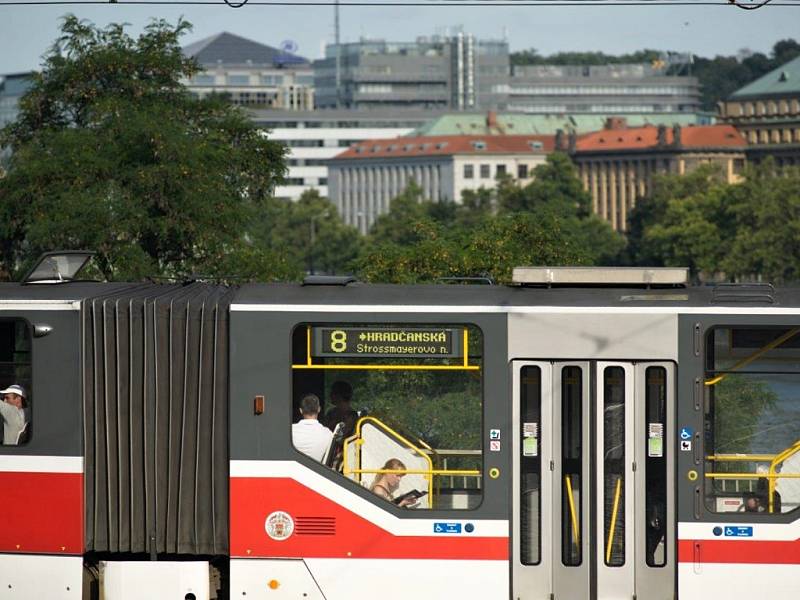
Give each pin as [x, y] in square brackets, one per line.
[12, 409]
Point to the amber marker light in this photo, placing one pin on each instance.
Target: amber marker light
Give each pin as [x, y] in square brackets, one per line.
[273, 584]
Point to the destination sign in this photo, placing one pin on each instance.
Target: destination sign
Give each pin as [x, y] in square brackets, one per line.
[398, 342]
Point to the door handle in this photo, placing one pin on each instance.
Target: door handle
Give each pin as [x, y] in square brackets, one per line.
[698, 450]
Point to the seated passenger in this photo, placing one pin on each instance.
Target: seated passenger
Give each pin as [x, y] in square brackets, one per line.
[308, 434]
[386, 484]
[753, 504]
[15, 417]
[342, 412]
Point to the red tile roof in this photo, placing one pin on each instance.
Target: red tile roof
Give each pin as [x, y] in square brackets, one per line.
[447, 145]
[640, 138]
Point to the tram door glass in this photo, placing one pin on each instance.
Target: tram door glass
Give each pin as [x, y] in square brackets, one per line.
[530, 439]
[571, 465]
[752, 420]
[655, 466]
[614, 471]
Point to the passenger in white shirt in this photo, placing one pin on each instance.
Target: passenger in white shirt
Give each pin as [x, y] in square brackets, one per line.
[13, 413]
[309, 435]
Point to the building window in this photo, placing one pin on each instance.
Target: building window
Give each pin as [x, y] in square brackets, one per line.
[752, 381]
[203, 80]
[522, 171]
[469, 171]
[15, 370]
[486, 171]
[238, 79]
[392, 410]
[501, 171]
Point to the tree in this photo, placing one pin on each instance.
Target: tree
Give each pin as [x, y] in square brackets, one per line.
[555, 187]
[742, 232]
[491, 231]
[765, 216]
[285, 229]
[110, 153]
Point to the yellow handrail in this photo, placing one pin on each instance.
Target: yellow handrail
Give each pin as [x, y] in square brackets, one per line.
[613, 520]
[575, 532]
[790, 451]
[753, 475]
[748, 359]
[428, 473]
[742, 457]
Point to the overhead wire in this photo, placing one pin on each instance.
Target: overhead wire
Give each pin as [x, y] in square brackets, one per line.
[418, 3]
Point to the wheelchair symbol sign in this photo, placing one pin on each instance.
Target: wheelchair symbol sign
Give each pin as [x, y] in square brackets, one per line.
[686, 433]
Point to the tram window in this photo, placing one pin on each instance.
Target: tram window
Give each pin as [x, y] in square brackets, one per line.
[656, 466]
[571, 461]
[417, 396]
[530, 461]
[752, 419]
[614, 466]
[15, 370]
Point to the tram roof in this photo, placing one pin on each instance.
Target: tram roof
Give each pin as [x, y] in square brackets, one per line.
[304, 296]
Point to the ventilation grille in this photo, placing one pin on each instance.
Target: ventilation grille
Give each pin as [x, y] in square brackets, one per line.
[315, 525]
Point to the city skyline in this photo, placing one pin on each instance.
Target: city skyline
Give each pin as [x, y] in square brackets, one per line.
[26, 37]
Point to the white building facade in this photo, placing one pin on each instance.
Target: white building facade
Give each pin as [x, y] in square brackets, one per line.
[316, 137]
[365, 178]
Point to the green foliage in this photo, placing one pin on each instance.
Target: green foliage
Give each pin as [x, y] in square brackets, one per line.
[742, 232]
[110, 153]
[739, 402]
[491, 231]
[285, 228]
[532, 57]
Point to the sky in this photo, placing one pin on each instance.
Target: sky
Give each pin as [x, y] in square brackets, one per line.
[26, 32]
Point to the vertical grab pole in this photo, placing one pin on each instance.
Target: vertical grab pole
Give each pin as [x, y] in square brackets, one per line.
[613, 520]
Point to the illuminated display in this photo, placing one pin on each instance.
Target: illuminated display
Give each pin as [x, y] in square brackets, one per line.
[391, 341]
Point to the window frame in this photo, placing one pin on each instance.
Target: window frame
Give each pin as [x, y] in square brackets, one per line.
[28, 385]
[339, 477]
[711, 491]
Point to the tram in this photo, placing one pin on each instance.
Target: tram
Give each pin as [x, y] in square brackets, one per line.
[585, 433]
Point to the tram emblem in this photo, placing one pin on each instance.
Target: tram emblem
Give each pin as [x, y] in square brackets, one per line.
[279, 525]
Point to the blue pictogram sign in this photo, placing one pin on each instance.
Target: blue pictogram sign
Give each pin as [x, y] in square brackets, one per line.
[738, 531]
[447, 528]
[686, 433]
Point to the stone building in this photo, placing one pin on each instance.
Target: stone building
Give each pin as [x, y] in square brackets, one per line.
[767, 113]
[617, 164]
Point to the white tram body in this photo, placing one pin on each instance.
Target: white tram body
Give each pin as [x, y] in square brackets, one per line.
[584, 434]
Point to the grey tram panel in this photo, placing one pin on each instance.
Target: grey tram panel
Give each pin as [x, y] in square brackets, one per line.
[261, 358]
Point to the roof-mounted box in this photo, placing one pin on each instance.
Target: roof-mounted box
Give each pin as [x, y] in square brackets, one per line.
[607, 276]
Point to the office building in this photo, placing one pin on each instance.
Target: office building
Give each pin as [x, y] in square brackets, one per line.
[365, 178]
[315, 137]
[455, 72]
[767, 113]
[251, 74]
[601, 89]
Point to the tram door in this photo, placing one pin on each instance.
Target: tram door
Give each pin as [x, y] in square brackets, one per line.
[594, 497]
